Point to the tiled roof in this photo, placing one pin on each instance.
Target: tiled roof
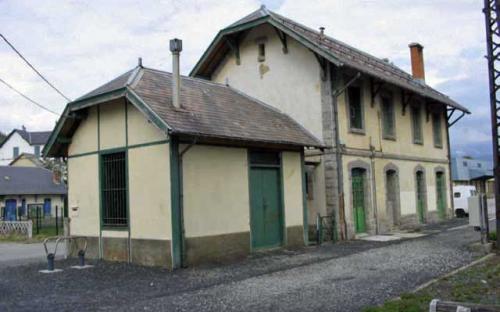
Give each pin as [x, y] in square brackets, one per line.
[28, 181]
[341, 53]
[34, 137]
[208, 110]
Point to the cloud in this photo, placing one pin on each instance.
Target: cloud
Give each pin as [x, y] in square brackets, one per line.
[452, 33]
[80, 45]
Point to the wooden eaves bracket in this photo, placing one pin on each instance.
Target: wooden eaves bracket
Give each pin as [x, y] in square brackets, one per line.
[375, 87]
[235, 48]
[283, 39]
[405, 100]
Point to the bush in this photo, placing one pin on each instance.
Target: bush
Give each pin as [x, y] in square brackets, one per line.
[492, 236]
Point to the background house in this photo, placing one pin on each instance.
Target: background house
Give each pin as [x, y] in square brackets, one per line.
[469, 171]
[24, 189]
[20, 141]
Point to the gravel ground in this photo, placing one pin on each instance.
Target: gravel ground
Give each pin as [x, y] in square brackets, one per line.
[340, 277]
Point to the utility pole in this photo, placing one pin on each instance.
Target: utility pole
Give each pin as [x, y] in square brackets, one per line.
[492, 21]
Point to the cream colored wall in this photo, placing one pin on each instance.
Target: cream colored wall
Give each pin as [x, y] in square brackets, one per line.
[216, 199]
[216, 190]
[407, 185]
[84, 139]
[403, 145]
[148, 169]
[292, 188]
[149, 189]
[23, 162]
[289, 82]
[112, 124]
[141, 130]
[83, 194]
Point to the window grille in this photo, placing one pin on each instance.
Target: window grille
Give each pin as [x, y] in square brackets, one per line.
[114, 190]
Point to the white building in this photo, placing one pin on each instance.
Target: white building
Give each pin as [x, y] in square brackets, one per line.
[22, 141]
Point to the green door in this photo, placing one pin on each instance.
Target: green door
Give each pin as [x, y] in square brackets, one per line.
[265, 205]
[441, 197]
[421, 197]
[358, 200]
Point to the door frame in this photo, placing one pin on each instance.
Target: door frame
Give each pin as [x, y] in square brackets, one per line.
[441, 214]
[421, 169]
[395, 213]
[281, 196]
[369, 210]
[15, 209]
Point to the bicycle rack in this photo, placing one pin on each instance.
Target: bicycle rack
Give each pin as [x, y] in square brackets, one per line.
[52, 255]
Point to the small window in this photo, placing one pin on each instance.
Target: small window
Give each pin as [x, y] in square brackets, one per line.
[37, 150]
[15, 152]
[456, 195]
[479, 165]
[388, 128]
[465, 164]
[355, 108]
[114, 190]
[260, 158]
[309, 182]
[416, 125]
[436, 130]
[262, 52]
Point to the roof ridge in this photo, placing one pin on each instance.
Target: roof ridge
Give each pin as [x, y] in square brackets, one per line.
[209, 82]
[276, 15]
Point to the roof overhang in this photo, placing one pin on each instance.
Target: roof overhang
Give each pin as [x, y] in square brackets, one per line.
[208, 61]
[68, 122]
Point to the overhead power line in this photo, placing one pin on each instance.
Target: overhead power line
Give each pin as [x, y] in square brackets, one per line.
[27, 98]
[33, 68]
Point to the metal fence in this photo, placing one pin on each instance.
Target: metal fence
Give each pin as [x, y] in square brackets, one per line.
[44, 222]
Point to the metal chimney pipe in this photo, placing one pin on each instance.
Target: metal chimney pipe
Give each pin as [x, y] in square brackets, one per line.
[176, 48]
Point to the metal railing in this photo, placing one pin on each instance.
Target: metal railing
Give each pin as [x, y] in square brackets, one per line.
[52, 255]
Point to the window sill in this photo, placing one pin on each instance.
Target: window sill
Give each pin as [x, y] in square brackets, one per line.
[389, 138]
[418, 143]
[120, 228]
[357, 131]
[438, 146]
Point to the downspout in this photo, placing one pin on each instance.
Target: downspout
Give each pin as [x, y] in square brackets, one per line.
[181, 202]
[448, 154]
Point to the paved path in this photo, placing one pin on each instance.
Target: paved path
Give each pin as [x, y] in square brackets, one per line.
[13, 254]
[340, 277]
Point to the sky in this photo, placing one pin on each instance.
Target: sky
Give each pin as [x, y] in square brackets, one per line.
[79, 45]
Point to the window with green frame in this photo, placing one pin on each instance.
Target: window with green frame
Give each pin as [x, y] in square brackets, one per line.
[37, 150]
[114, 190]
[15, 152]
[388, 122]
[416, 121]
[355, 108]
[436, 130]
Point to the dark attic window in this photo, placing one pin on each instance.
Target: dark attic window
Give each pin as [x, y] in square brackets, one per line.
[262, 52]
[114, 190]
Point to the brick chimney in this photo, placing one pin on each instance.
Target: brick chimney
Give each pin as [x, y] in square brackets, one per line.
[417, 61]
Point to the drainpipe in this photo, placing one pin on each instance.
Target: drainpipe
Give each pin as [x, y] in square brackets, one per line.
[374, 186]
[176, 48]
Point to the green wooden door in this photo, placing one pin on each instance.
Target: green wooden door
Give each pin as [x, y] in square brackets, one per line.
[265, 204]
[441, 197]
[420, 197]
[358, 200]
